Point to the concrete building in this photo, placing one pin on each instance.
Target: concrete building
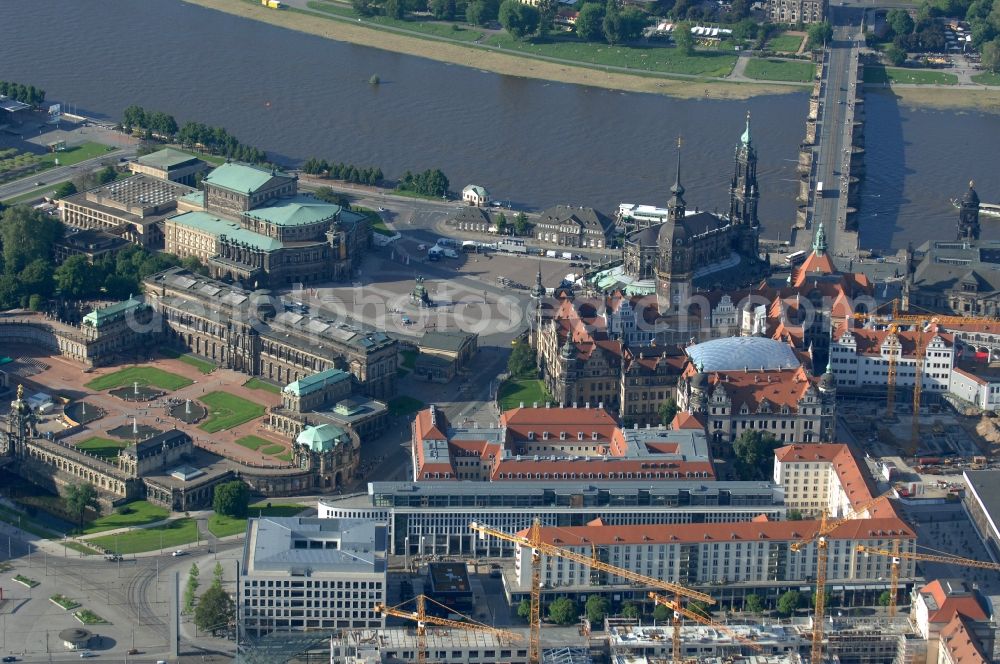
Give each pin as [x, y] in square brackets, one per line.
[859, 358]
[727, 560]
[752, 383]
[432, 518]
[169, 164]
[242, 330]
[572, 227]
[699, 643]
[255, 229]
[982, 503]
[134, 208]
[796, 11]
[554, 444]
[398, 645]
[302, 573]
[90, 242]
[444, 354]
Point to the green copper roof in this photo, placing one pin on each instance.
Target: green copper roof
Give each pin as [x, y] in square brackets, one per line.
[166, 159]
[819, 243]
[316, 381]
[195, 198]
[745, 138]
[321, 438]
[99, 317]
[208, 223]
[297, 211]
[241, 178]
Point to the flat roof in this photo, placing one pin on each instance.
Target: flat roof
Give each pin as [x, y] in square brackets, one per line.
[312, 545]
[445, 340]
[142, 191]
[985, 486]
[12, 105]
[209, 223]
[167, 158]
[449, 577]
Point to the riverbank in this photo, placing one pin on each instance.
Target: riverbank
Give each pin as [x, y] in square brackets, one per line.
[944, 98]
[499, 63]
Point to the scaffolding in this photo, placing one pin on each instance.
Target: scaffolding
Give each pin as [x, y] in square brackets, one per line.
[873, 641]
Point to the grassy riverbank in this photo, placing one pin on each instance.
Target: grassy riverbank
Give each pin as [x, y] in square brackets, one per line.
[500, 63]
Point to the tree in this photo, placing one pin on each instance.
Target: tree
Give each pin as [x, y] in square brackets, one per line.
[632, 23]
[27, 235]
[106, 175]
[481, 12]
[394, 9]
[631, 610]
[590, 22]
[501, 224]
[217, 574]
[442, 9]
[191, 589]
[522, 360]
[563, 611]
[612, 24]
[524, 610]
[519, 19]
[885, 598]
[330, 196]
[597, 607]
[667, 411]
[788, 602]
[521, 225]
[216, 609]
[753, 604]
[895, 55]
[991, 54]
[78, 498]
[64, 190]
[231, 499]
[36, 278]
[661, 613]
[700, 608]
[754, 451]
[900, 22]
[820, 34]
[794, 515]
[683, 38]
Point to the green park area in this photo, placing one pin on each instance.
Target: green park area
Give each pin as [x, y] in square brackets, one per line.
[143, 375]
[201, 365]
[880, 75]
[21, 163]
[431, 28]
[258, 384]
[137, 513]
[517, 390]
[404, 405]
[221, 525]
[986, 78]
[771, 69]
[167, 536]
[784, 43]
[226, 411]
[255, 443]
[102, 447]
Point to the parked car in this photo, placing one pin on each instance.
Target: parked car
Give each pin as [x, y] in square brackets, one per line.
[406, 320]
[178, 552]
[87, 653]
[132, 651]
[10, 658]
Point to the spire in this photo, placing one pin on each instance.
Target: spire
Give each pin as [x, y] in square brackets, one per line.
[745, 138]
[678, 189]
[819, 243]
[538, 290]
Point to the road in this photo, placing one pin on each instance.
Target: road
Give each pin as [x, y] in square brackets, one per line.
[836, 115]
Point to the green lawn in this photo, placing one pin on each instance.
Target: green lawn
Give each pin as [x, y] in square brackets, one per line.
[25, 581]
[652, 58]
[82, 548]
[76, 154]
[271, 450]
[444, 29]
[404, 405]
[223, 526]
[375, 220]
[878, 74]
[139, 513]
[258, 384]
[65, 602]
[102, 447]
[986, 78]
[784, 42]
[253, 442]
[201, 365]
[170, 535]
[26, 523]
[287, 457]
[516, 390]
[769, 69]
[143, 375]
[226, 411]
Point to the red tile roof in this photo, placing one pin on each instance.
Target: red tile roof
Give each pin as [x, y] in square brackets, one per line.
[683, 420]
[780, 387]
[944, 600]
[572, 421]
[814, 264]
[961, 643]
[869, 341]
[856, 529]
[850, 468]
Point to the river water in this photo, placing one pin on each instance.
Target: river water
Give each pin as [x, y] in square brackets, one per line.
[529, 141]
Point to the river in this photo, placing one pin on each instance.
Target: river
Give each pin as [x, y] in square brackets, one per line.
[528, 141]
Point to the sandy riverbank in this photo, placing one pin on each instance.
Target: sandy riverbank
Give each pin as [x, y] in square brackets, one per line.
[489, 61]
[986, 100]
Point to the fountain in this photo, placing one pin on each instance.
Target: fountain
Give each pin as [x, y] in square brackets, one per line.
[187, 407]
[78, 412]
[83, 410]
[135, 388]
[187, 411]
[135, 427]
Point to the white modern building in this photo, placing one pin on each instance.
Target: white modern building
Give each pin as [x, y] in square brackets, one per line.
[859, 357]
[306, 573]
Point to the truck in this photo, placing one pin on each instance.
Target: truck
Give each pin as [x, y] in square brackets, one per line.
[819, 189]
[550, 254]
[567, 256]
[271, 4]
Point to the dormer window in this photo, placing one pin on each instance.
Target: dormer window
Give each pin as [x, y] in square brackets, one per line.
[593, 435]
[579, 435]
[562, 435]
[531, 435]
[545, 435]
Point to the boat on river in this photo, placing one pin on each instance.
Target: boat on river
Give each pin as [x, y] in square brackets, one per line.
[991, 209]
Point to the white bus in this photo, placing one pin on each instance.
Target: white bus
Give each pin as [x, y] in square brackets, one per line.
[819, 188]
[795, 258]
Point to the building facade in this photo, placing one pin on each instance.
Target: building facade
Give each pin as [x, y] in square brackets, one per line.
[796, 11]
[302, 573]
[822, 478]
[576, 227]
[169, 164]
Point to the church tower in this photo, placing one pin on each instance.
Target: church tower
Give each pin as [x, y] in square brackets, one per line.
[20, 426]
[743, 192]
[968, 215]
[674, 271]
[676, 205]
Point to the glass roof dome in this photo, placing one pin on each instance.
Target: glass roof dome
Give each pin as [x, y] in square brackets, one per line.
[739, 353]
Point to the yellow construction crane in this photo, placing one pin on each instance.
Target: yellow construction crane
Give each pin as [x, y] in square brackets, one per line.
[679, 611]
[534, 542]
[819, 536]
[423, 619]
[896, 555]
